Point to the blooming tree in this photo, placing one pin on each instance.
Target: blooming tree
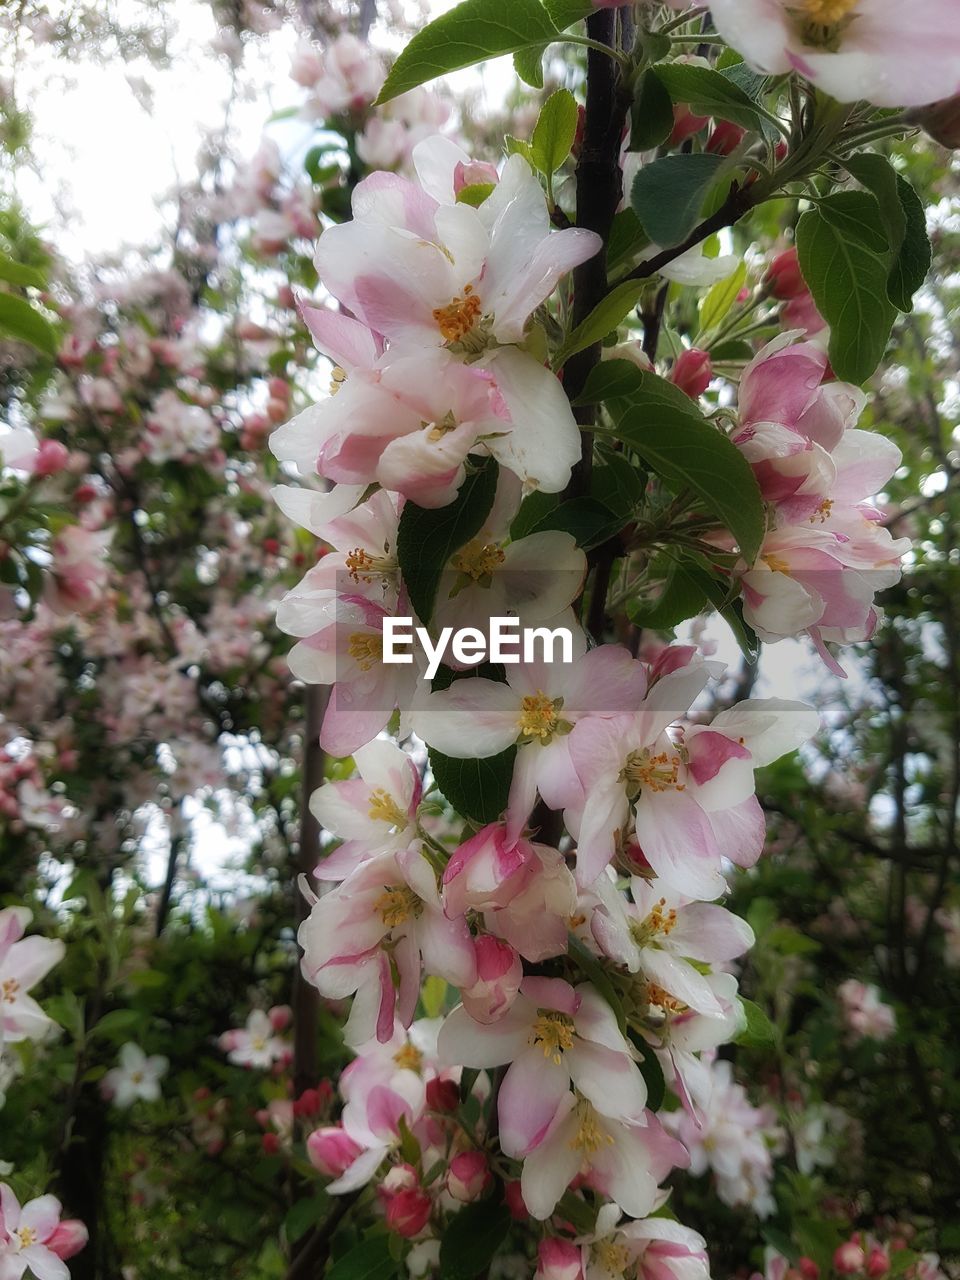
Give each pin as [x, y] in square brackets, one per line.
[601, 376]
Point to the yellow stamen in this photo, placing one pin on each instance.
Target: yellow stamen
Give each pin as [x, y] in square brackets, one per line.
[383, 808]
[409, 1056]
[478, 559]
[27, 1236]
[657, 996]
[396, 905]
[828, 12]
[540, 717]
[443, 426]
[776, 563]
[9, 989]
[822, 512]
[821, 23]
[365, 649]
[613, 1258]
[458, 317]
[646, 771]
[656, 923]
[590, 1137]
[553, 1032]
[338, 377]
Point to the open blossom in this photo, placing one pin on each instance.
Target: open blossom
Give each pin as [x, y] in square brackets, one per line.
[865, 1014]
[375, 813]
[23, 963]
[255, 1045]
[175, 428]
[33, 1238]
[891, 54]
[390, 903]
[79, 574]
[136, 1078]
[651, 1249]
[553, 1036]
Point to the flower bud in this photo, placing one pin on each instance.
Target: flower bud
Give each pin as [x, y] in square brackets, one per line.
[725, 138]
[558, 1260]
[849, 1258]
[477, 173]
[68, 1238]
[52, 456]
[309, 1103]
[808, 1268]
[878, 1263]
[407, 1206]
[941, 121]
[280, 1016]
[692, 372]
[468, 1176]
[499, 974]
[685, 124]
[443, 1095]
[331, 1150]
[270, 1143]
[783, 276]
[513, 1198]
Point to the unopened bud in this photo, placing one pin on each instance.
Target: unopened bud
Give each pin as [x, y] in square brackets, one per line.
[443, 1095]
[692, 372]
[468, 1176]
[849, 1258]
[558, 1260]
[331, 1150]
[68, 1238]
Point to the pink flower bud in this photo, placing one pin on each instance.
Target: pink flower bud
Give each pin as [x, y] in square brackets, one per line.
[878, 1263]
[68, 1238]
[475, 174]
[499, 974]
[468, 1176]
[513, 1197]
[331, 1150]
[558, 1260]
[310, 1103]
[52, 456]
[725, 138]
[692, 372]
[849, 1258]
[281, 1015]
[808, 1268]
[270, 1143]
[783, 276]
[407, 1212]
[685, 124]
[443, 1095]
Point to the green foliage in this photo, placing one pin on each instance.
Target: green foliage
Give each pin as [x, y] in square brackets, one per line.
[471, 32]
[428, 537]
[20, 320]
[478, 789]
[471, 1241]
[668, 195]
[554, 132]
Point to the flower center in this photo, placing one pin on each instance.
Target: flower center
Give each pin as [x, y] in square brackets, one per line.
[613, 1258]
[338, 377]
[776, 563]
[409, 1057]
[590, 1136]
[383, 808]
[458, 317]
[442, 427]
[478, 560]
[365, 649]
[539, 718]
[26, 1236]
[657, 922]
[657, 996]
[396, 905]
[9, 989]
[645, 771]
[822, 512]
[362, 566]
[258, 1044]
[136, 1077]
[552, 1032]
[821, 23]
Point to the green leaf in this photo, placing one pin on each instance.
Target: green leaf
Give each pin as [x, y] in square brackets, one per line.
[471, 32]
[477, 789]
[717, 592]
[844, 257]
[428, 537]
[603, 319]
[472, 1238]
[19, 273]
[682, 597]
[721, 298]
[117, 1024]
[759, 1033]
[528, 64]
[18, 319]
[876, 174]
[711, 93]
[565, 13]
[651, 116]
[650, 1069]
[617, 482]
[300, 1219]
[554, 132]
[627, 238]
[915, 255]
[667, 196]
[688, 453]
[433, 993]
[369, 1260]
[518, 147]
[589, 522]
[475, 194]
[532, 510]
